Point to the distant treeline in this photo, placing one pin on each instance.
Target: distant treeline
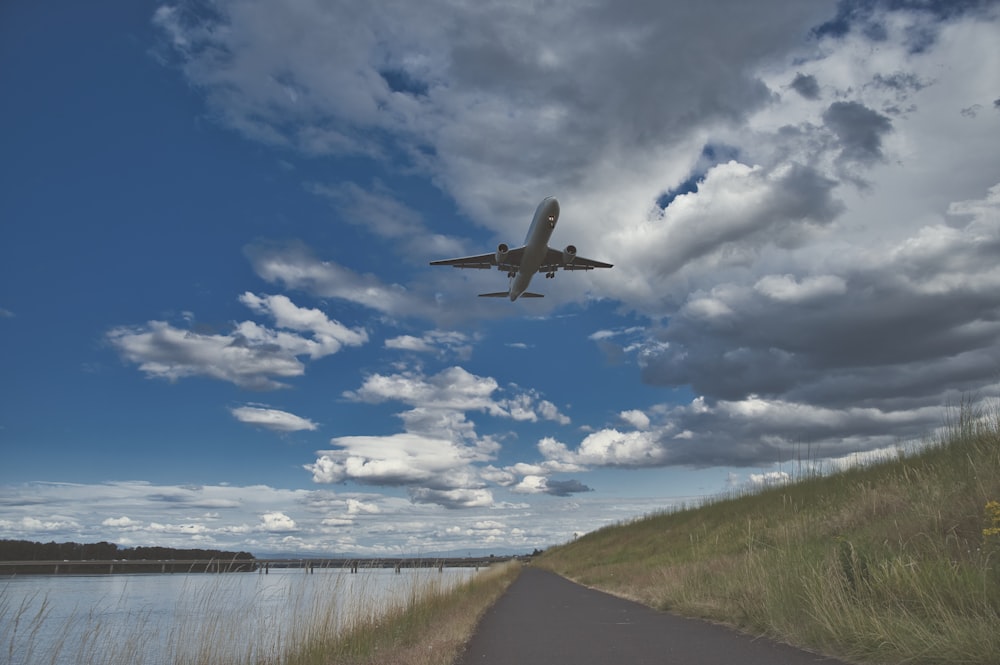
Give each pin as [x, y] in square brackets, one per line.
[25, 550]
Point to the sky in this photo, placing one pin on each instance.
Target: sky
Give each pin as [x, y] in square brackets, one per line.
[219, 327]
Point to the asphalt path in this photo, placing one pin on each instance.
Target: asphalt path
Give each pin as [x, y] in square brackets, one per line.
[545, 619]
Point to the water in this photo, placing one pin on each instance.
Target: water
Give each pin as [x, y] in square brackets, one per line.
[154, 619]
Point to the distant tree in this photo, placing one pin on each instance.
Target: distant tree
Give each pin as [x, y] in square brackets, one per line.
[25, 550]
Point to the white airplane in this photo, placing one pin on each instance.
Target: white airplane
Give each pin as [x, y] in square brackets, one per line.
[523, 262]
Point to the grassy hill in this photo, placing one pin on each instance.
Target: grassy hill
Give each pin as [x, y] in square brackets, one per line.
[892, 562]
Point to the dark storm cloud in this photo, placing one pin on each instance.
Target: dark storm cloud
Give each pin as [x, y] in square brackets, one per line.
[745, 210]
[882, 342]
[855, 360]
[806, 85]
[565, 487]
[859, 130]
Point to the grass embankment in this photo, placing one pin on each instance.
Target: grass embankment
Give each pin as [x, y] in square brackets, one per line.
[430, 628]
[888, 563]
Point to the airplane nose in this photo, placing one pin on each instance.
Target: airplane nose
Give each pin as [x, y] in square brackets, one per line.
[553, 209]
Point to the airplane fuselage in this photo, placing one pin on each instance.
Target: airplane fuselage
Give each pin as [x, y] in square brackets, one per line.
[536, 245]
[521, 263]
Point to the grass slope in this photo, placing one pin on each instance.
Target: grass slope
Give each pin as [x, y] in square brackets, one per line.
[430, 628]
[895, 562]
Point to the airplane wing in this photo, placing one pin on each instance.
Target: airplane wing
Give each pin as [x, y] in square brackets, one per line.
[511, 261]
[556, 260]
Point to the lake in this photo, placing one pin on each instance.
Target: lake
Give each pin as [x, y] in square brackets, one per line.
[162, 619]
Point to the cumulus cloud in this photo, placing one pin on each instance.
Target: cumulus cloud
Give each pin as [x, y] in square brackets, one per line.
[327, 336]
[455, 389]
[635, 418]
[265, 520]
[439, 342]
[120, 522]
[251, 355]
[163, 351]
[467, 80]
[272, 419]
[277, 521]
[400, 460]
[295, 267]
[452, 388]
[438, 457]
[607, 448]
[809, 233]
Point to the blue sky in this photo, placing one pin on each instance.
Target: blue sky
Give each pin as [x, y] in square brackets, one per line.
[219, 326]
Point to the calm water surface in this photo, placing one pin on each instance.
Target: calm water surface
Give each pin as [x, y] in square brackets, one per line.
[153, 619]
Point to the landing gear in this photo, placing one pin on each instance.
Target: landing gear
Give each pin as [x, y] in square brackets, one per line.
[549, 275]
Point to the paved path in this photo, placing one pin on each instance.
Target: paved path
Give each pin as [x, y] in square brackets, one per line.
[545, 619]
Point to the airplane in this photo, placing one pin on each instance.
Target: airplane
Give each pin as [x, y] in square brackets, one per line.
[534, 256]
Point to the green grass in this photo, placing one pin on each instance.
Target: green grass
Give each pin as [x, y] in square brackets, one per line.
[888, 562]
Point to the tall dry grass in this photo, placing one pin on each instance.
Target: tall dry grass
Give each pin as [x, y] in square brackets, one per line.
[429, 629]
[335, 618]
[891, 561]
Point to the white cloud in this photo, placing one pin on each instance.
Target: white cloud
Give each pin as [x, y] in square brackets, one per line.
[251, 356]
[259, 518]
[409, 343]
[403, 459]
[26, 525]
[273, 419]
[635, 418]
[455, 389]
[327, 336]
[440, 342]
[120, 522]
[276, 522]
[452, 388]
[531, 485]
[295, 267]
[770, 478]
[439, 457]
[607, 447]
[163, 351]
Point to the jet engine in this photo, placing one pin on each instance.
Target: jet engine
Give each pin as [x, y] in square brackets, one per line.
[502, 250]
[569, 254]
